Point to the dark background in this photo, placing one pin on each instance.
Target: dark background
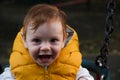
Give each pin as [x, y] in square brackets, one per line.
[88, 19]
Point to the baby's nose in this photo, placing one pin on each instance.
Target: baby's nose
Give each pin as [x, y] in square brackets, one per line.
[45, 46]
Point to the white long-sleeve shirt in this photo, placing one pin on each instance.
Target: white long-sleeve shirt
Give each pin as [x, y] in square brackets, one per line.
[82, 72]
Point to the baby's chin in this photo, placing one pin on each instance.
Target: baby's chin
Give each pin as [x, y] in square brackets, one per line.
[44, 64]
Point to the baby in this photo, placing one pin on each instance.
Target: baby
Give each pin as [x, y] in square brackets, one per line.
[46, 48]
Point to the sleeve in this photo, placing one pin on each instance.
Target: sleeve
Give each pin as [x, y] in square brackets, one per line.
[83, 73]
[6, 75]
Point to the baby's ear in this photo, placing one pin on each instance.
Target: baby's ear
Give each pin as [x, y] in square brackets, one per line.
[24, 40]
[67, 35]
[63, 44]
[65, 38]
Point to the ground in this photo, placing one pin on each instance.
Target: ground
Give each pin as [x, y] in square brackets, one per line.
[88, 22]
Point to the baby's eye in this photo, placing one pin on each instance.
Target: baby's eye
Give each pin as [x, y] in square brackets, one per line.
[53, 40]
[36, 40]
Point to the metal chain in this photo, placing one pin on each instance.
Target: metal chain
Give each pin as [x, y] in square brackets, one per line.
[101, 60]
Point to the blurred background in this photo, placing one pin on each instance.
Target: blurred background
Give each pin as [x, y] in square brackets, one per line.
[87, 17]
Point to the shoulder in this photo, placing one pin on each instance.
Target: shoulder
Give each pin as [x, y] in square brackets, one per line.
[84, 73]
[6, 75]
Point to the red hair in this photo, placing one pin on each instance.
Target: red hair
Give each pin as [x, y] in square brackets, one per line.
[42, 13]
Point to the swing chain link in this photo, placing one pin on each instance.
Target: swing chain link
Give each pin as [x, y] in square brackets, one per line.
[108, 30]
[101, 60]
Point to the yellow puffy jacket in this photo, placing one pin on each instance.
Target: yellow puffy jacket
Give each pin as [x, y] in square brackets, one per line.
[64, 68]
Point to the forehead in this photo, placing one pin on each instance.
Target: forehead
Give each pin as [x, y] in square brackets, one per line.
[53, 27]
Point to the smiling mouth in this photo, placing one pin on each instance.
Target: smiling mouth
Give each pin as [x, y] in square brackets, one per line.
[44, 56]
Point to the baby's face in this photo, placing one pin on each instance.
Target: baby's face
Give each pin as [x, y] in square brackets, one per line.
[45, 43]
